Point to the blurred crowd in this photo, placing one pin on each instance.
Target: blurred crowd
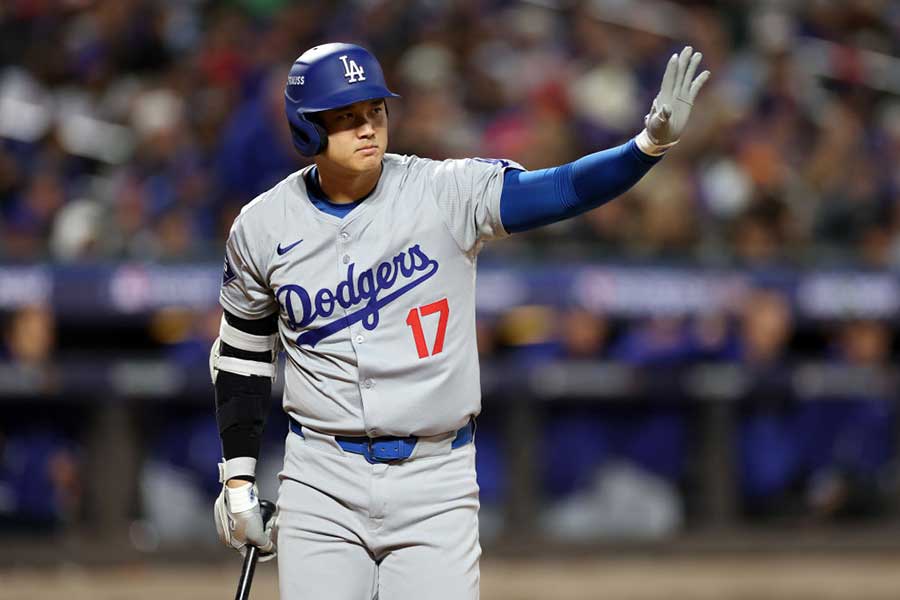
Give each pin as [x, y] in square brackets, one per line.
[619, 447]
[138, 128]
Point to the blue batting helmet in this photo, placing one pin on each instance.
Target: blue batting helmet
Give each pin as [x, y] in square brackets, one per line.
[325, 77]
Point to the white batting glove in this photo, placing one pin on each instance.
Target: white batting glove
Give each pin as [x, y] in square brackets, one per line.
[239, 522]
[672, 106]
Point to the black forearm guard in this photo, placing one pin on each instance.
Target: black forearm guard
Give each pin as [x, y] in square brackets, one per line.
[242, 402]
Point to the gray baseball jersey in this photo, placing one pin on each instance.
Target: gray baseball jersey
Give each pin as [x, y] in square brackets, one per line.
[377, 310]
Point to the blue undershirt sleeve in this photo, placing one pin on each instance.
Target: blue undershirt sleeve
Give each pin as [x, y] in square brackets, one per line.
[534, 198]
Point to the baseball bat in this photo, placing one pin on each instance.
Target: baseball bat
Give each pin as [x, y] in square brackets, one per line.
[267, 509]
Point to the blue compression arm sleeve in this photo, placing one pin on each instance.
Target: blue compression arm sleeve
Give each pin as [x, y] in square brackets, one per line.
[534, 198]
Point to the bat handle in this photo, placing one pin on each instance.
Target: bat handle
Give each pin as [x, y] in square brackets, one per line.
[250, 558]
[243, 591]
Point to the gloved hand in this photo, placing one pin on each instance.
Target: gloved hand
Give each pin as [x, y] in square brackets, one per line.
[239, 521]
[671, 108]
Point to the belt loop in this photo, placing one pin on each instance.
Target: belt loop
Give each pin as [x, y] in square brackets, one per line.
[369, 454]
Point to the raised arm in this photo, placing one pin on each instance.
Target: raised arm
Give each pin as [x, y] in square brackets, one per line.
[534, 198]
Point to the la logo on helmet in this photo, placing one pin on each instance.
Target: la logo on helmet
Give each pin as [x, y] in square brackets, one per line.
[352, 71]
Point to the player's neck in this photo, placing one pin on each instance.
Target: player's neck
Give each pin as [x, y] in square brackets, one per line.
[343, 187]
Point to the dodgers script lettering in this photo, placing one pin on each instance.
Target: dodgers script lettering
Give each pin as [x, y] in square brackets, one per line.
[362, 292]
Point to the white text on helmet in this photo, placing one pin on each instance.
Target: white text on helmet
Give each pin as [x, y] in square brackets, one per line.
[352, 71]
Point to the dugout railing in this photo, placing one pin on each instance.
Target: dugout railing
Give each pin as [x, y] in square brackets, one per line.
[112, 399]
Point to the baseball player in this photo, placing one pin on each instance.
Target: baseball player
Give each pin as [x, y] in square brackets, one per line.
[362, 268]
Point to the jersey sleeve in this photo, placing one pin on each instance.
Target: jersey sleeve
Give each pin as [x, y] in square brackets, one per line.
[468, 196]
[244, 292]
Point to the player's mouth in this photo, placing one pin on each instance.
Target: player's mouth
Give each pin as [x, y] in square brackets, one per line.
[368, 150]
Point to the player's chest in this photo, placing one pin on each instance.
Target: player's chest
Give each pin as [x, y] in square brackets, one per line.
[362, 266]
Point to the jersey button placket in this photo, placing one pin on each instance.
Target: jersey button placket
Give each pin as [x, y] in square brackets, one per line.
[343, 238]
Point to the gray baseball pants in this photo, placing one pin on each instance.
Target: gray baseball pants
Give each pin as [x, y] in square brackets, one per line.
[350, 530]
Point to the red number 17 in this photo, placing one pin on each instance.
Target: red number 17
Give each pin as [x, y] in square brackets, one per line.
[415, 323]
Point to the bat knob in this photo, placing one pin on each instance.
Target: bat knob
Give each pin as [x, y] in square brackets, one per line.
[266, 509]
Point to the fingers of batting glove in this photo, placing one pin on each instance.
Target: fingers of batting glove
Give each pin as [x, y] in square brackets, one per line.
[667, 88]
[267, 554]
[683, 61]
[697, 84]
[685, 89]
[671, 109]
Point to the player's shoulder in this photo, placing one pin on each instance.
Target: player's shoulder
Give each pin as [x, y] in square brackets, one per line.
[270, 203]
[412, 164]
[404, 163]
[403, 170]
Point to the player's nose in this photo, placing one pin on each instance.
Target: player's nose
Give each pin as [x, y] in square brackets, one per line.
[366, 129]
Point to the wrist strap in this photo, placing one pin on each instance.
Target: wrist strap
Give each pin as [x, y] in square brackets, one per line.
[236, 467]
[646, 145]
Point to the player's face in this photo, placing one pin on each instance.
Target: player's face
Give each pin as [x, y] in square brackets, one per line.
[357, 135]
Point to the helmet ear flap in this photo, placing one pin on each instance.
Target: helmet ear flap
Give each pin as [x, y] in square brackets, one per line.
[313, 119]
[309, 137]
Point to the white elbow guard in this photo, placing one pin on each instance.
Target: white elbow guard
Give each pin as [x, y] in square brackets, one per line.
[243, 341]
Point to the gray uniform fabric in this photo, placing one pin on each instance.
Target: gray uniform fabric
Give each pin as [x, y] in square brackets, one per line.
[412, 243]
[350, 530]
[377, 318]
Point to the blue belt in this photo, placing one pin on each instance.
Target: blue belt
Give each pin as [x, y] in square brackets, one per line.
[388, 448]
